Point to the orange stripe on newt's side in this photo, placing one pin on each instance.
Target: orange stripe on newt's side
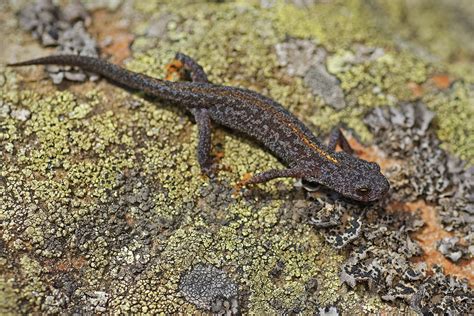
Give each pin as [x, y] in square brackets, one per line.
[282, 119]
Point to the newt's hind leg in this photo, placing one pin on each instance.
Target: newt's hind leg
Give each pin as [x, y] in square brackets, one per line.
[186, 68]
[203, 122]
[337, 138]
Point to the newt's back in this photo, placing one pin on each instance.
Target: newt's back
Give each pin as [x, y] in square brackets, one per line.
[266, 121]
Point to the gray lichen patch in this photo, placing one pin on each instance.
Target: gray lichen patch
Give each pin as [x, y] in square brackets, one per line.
[379, 238]
[380, 252]
[298, 55]
[64, 28]
[441, 294]
[302, 58]
[210, 289]
[452, 249]
[21, 114]
[325, 85]
[430, 171]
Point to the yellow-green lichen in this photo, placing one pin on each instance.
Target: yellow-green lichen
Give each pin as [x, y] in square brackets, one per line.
[234, 248]
[335, 25]
[455, 117]
[438, 31]
[8, 299]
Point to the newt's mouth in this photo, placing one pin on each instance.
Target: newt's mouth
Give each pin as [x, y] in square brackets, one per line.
[359, 195]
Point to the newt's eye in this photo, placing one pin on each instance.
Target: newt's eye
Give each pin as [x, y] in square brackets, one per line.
[375, 166]
[310, 186]
[363, 190]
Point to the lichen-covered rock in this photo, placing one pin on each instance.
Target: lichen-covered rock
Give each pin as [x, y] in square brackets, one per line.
[433, 174]
[41, 18]
[210, 289]
[64, 28]
[450, 248]
[103, 208]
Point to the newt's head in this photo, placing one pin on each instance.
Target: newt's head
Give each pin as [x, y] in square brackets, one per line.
[352, 177]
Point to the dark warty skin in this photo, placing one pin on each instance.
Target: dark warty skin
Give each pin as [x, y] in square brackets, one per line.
[250, 113]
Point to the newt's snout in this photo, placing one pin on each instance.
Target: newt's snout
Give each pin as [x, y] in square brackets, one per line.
[376, 189]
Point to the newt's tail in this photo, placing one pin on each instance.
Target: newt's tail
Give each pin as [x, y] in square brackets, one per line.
[130, 79]
[89, 64]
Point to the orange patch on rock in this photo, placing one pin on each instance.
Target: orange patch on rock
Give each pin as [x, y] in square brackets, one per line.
[239, 185]
[441, 81]
[129, 219]
[107, 25]
[428, 238]
[70, 264]
[370, 153]
[416, 89]
[120, 47]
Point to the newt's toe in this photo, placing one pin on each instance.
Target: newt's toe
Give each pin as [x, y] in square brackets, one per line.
[210, 170]
[174, 69]
[242, 183]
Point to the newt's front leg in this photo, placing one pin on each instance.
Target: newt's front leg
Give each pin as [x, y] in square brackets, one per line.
[270, 175]
[337, 138]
